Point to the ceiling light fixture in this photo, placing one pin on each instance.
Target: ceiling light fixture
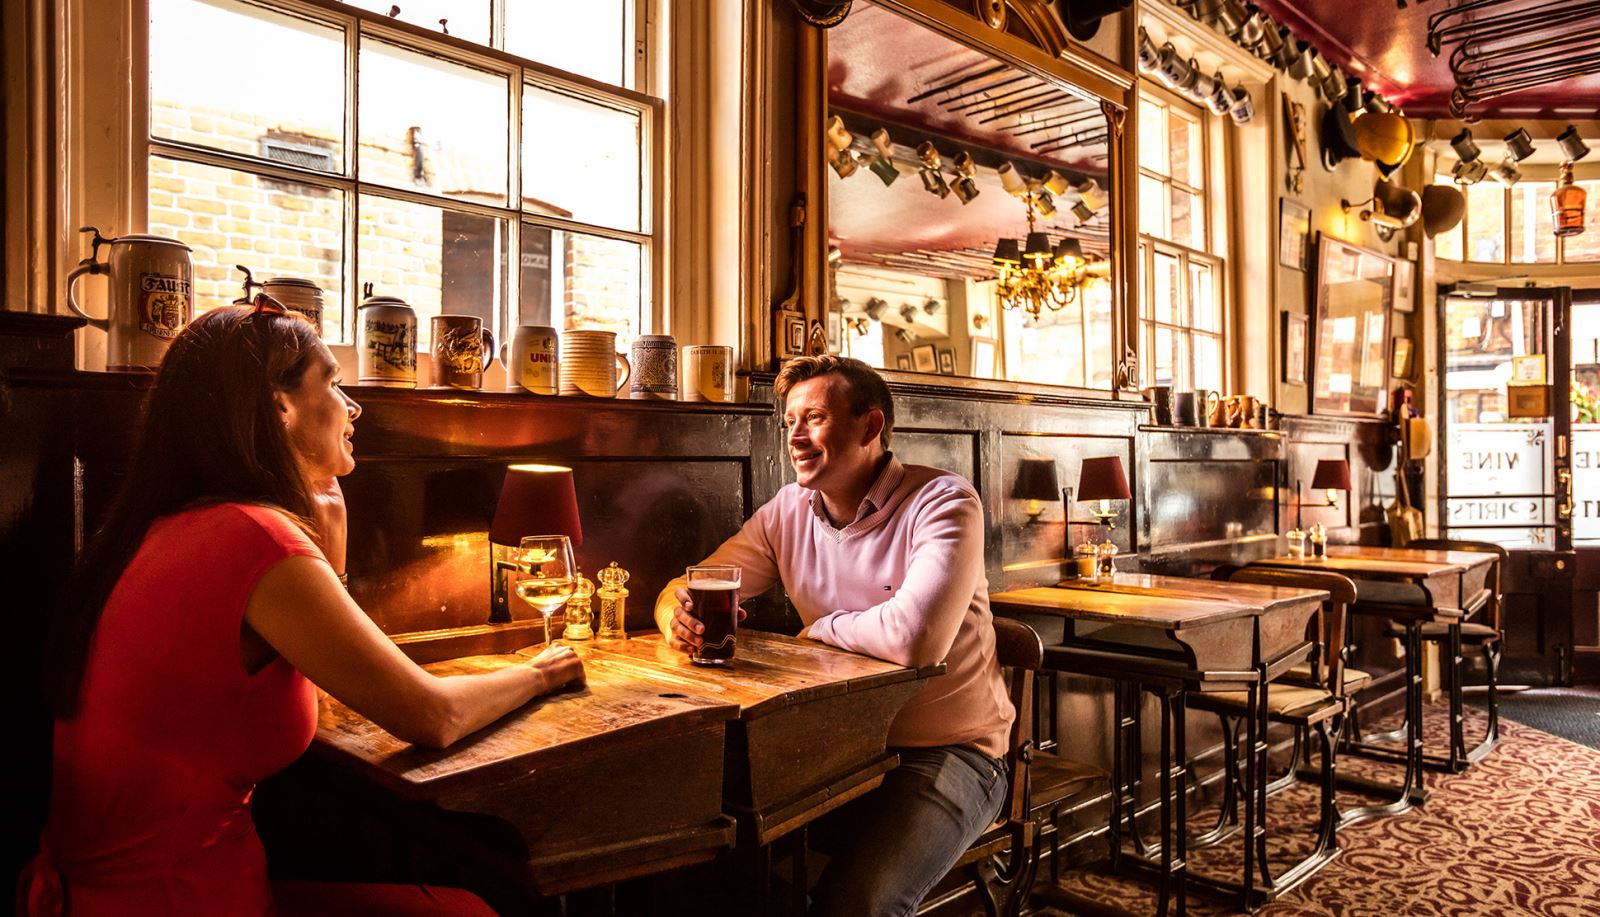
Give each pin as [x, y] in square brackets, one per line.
[1038, 276]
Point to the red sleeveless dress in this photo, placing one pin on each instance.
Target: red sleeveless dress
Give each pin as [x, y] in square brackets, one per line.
[150, 799]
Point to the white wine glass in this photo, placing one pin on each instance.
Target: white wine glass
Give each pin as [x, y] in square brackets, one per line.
[546, 574]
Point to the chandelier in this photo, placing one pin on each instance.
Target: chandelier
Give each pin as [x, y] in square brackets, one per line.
[1036, 275]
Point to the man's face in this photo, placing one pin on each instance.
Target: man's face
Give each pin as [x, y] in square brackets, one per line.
[830, 447]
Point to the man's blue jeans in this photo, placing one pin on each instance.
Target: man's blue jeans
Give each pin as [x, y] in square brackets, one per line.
[888, 848]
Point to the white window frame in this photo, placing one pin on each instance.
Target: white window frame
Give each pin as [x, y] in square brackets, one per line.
[520, 73]
[1149, 245]
[1443, 178]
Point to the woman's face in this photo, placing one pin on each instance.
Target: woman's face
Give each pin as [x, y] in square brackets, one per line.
[320, 419]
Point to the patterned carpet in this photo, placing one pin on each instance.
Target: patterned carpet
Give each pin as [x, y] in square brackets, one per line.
[1517, 834]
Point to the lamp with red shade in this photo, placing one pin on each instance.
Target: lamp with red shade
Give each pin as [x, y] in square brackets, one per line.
[1332, 476]
[1103, 479]
[534, 500]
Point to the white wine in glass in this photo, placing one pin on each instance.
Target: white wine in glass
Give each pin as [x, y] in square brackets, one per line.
[546, 574]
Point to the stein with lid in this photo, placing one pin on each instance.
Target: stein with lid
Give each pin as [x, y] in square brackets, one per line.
[386, 335]
[149, 296]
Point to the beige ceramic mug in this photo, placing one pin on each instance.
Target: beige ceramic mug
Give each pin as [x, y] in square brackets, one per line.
[533, 360]
[707, 372]
[149, 296]
[590, 364]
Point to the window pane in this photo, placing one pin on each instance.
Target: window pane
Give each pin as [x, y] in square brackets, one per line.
[1152, 207]
[580, 160]
[1208, 362]
[1184, 147]
[1203, 294]
[1586, 246]
[1096, 294]
[1153, 136]
[436, 260]
[573, 280]
[274, 228]
[431, 125]
[1530, 207]
[1167, 297]
[200, 93]
[462, 20]
[1448, 245]
[1486, 214]
[1168, 365]
[588, 38]
[1188, 224]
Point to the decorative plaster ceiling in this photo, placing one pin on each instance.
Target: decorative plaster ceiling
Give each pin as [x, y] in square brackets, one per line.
[1387, 49]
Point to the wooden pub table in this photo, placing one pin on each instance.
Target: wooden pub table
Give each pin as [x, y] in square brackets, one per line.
[654, 764]
[1412, 588]
[1168, 635]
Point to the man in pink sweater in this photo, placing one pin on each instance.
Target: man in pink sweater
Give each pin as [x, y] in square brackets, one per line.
[883, 559]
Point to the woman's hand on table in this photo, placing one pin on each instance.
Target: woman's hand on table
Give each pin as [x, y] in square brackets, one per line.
[559, 666]
[686, 628]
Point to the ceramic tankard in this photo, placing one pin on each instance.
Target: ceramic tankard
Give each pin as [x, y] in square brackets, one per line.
[149, 296]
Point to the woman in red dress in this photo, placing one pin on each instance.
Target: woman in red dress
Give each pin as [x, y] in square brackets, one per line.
[205, 610]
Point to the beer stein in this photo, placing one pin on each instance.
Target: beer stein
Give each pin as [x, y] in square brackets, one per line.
[590, 364]
[297, 295]
[655, 368]
[707, 372]
[387, 341]
[1186, 408]
[1160, 397]
[149, 296]
[533, 362]
[462, 348]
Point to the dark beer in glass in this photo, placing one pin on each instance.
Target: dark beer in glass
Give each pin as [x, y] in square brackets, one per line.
[714, 596]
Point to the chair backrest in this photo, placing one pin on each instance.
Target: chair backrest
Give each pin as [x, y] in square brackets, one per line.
[1491, 612]
[1328, 662]
[1019, 649]
[1224, 572]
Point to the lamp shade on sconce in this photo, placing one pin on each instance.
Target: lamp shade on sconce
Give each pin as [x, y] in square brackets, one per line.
[1442, 208]
[1036, 480]
[1331, 474]
[1103, 479]
[536, 500]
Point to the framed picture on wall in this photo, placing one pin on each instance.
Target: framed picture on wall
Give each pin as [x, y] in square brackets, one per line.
[1400, 360]
[1294, 234]
[947, 361]
[1294, 348]
[1402, 286]
[923, 360]
[902, 361]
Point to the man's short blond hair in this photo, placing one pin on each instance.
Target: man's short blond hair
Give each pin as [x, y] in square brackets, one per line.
[864, 389]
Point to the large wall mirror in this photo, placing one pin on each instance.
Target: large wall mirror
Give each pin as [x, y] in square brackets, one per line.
[969, 210]
[1355, 290]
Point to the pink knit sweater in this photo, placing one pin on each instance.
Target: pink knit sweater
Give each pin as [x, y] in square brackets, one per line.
[903, 582]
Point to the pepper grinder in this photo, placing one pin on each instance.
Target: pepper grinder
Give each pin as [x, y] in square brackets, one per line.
[613, 603]
[580, 611]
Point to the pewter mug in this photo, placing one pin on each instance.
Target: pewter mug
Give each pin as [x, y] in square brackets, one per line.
[150, 298]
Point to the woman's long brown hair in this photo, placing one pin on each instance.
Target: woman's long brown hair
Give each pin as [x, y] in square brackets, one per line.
[211, 433]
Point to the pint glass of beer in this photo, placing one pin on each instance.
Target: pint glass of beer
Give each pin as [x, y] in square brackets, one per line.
[714, 592]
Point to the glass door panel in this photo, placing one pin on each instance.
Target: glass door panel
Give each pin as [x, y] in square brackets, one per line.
[1502, 470]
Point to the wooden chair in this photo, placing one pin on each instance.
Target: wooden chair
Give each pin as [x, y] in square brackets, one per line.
[1481, 628]
[1003, 860]
[1318, 706]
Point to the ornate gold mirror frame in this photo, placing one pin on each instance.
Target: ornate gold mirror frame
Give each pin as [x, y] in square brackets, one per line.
[1043, 49]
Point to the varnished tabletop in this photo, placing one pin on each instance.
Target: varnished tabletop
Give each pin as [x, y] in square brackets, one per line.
[1386, 563]
[1218, 632]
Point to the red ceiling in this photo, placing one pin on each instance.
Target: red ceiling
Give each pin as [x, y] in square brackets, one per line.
[1387, 49]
